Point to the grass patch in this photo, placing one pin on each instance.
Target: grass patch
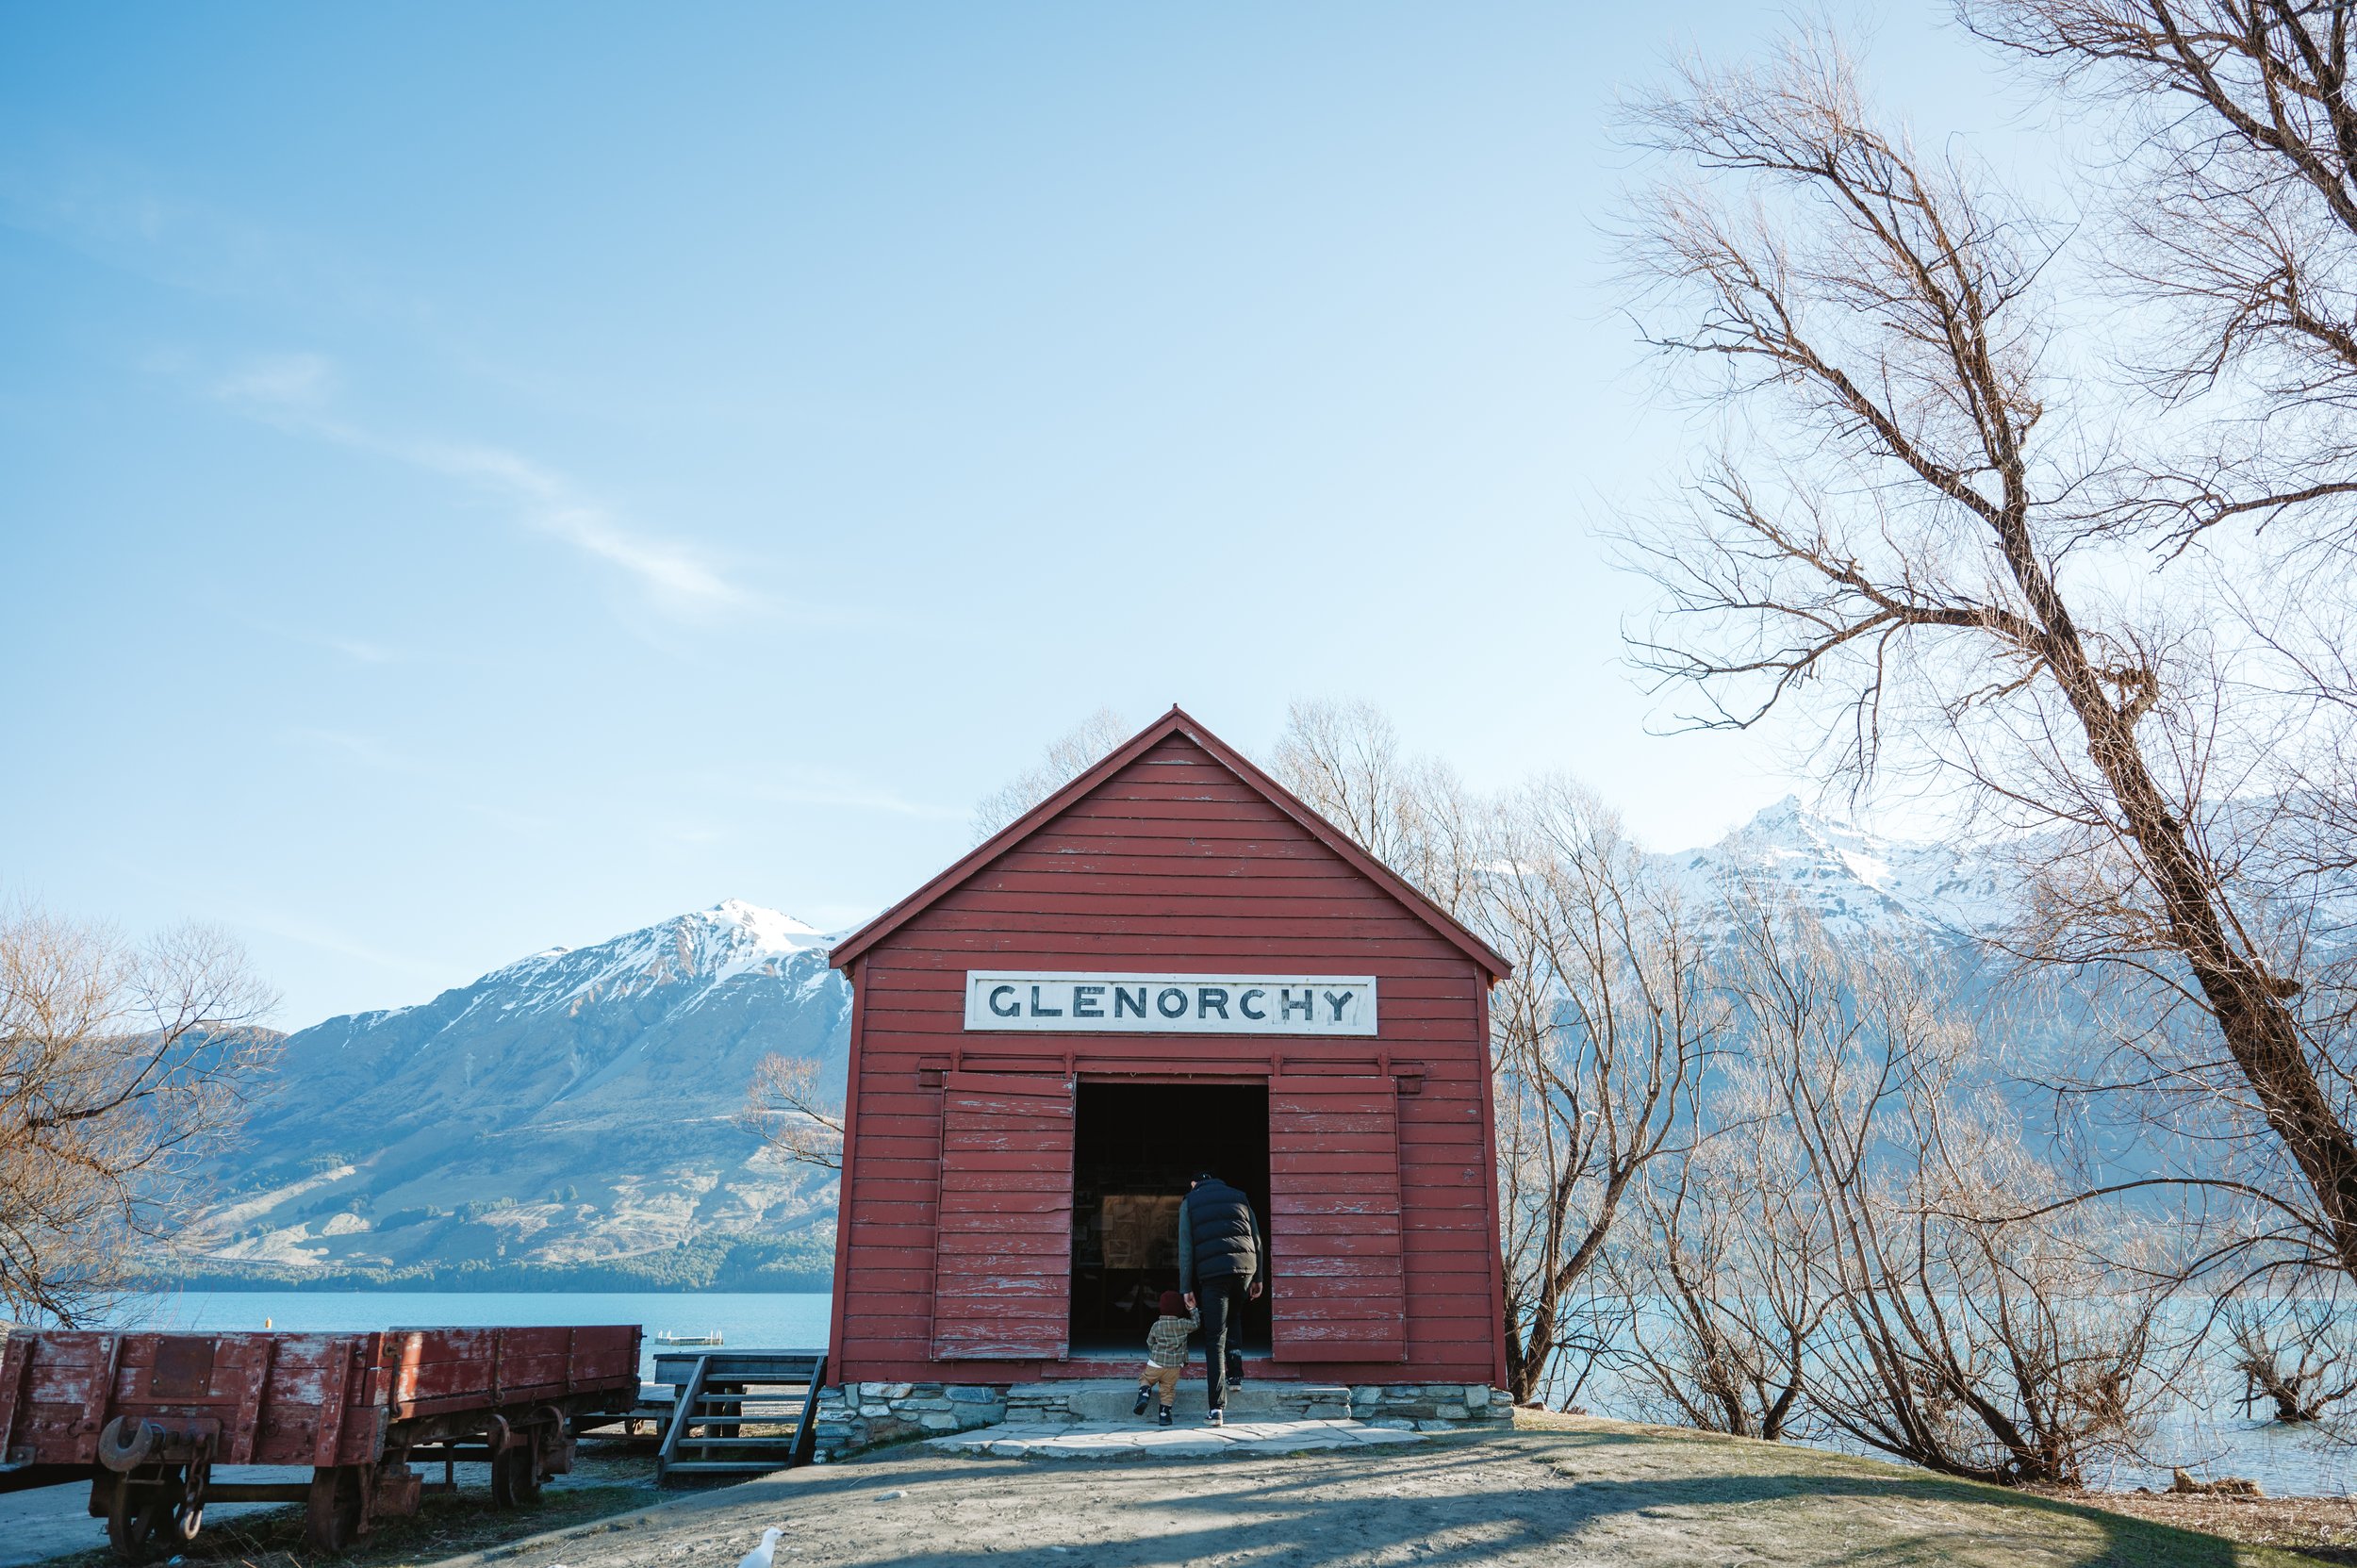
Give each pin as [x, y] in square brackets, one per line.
[1826, 1501]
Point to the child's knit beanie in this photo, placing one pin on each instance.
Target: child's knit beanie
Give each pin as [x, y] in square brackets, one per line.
[1173, 1305]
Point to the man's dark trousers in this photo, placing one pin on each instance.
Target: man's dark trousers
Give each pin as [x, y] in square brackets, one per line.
[1221, 1299]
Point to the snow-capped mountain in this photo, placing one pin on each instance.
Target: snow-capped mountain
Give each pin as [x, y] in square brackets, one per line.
[580, 1106]
[571, 1108]
[704, 951]
[1854, 880]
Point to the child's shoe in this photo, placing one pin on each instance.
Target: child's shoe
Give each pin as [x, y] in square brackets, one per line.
[1145, 1392]
[1163, 1419]
[1217, 1418]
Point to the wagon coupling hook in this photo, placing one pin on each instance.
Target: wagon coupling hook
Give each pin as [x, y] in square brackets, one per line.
[128, 1442]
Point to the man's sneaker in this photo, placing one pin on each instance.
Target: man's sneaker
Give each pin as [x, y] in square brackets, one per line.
[1164, 1418]
[1143, 1395]
[1217, 1418]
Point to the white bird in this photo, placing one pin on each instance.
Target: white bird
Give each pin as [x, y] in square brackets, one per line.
[760, 1556]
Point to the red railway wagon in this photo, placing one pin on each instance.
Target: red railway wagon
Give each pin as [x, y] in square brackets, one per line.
[1170, 965]
[148, 1418]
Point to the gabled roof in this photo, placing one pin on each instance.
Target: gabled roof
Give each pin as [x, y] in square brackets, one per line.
[1176, 721]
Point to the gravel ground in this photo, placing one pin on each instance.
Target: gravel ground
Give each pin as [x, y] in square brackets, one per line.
[2322, 1530]
[1558, 1493]
[1568, 1492]
[52, 1524]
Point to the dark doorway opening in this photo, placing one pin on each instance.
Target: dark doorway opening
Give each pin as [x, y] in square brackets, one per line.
[1135, 1146]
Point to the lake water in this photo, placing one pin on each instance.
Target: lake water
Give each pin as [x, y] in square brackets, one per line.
[2210, 1436]
[2287, 1461]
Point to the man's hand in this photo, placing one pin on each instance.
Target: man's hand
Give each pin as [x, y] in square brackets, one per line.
[1254, 1293]
[1190, 1300]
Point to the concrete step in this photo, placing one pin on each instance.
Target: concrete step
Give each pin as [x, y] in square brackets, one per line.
[1143, 1440]
[1110, 1399]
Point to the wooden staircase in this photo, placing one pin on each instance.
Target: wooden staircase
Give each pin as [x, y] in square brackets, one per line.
[720, 1393]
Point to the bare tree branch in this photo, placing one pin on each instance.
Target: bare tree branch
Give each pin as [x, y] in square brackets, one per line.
[121, 1066]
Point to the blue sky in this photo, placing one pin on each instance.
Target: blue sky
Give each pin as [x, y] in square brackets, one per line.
[475, 478]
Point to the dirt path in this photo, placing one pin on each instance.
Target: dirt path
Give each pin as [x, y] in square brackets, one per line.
[1584, 1492]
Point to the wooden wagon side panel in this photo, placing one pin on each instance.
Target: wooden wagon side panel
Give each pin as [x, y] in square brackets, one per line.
[15, 1360]
[256, 1354]
[308, 1386]
[197, 1378]
[436, 1371]
[1334, 1220]
[1003, 1249]
[63, 1393]
[593, 1358]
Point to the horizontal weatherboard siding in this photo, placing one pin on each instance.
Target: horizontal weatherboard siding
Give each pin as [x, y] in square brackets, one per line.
[957, 1203]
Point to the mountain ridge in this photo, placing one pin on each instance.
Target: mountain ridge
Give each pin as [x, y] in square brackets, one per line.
[1850, 878]
[575, 1108]
[576, 1111]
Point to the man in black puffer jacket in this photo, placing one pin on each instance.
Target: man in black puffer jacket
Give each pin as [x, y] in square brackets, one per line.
[1220, 1267]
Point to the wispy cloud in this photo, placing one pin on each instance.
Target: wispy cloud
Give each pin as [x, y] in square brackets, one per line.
[121, 215]
[280, 381]
[551, 504]
[298, 393]
[359, 651]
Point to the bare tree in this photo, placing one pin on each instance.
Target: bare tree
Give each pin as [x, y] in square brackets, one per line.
[1722, 1273]
[2232, 232]
[1969, 1325]
[1597, 1043]
[794, 1113]
[1929, 527]
[1407, 811]
[121, 1065]
[2297, 1350]
[2237, 218]
[1599, 1039]
[1066, 757]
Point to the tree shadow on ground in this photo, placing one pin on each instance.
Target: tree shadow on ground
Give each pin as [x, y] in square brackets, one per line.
[1488, 1502]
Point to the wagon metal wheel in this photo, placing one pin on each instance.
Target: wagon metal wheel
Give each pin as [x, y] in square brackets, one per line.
[503, 1496]
[516, 1477]
[495, 1438]
[331, 1516]
[528, 1475]
[139, 1512]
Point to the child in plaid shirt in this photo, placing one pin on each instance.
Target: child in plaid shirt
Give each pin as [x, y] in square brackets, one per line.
[1166, 1354]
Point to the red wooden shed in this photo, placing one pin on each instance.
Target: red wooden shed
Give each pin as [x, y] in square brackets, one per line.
[1168, 965]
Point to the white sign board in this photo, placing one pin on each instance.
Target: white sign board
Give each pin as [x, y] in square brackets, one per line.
[1170, 1004]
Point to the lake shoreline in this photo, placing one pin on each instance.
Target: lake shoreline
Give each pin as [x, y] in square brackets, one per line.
[2290, 1465]
[212, 1284]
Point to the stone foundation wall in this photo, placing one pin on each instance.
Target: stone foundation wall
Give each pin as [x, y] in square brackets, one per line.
[1429, 1407]
[862, 1415]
